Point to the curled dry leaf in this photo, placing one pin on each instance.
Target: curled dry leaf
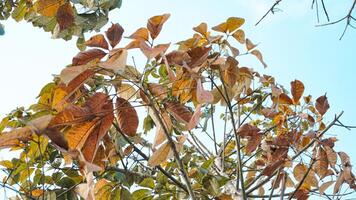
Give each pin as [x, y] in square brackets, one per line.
[114, 34]
[65, 16]
[97, 41]
[297, 89]
[195, 118]
[249, 45]
[155, 24]
[127, 117]
[86, 56]
[322, 104]
[258, 55]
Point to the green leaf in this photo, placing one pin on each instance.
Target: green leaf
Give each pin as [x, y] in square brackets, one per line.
[141, 194]
[148, 182]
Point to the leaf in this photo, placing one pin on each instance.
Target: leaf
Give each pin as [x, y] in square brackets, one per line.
[230, 25]
[249, 45]
[155, 24]
[65, 16]
[37, 192]
[78, 134]
[116, 62]
[297, 89]
[253, 142]
[127, 117]
[231, 71]
[322, 104]
[239, 35]
[331, 155]
[198, 56]
[71, 72]
[247, 130]
[86, 56]
[97, 41]
[48, 8]
[37, 126]
[140, 34]
[160, 155]
[126, 91]
[325, 186]
[202, 29]
[114, 34]
[155, 51]
[283, 99]
[195, 118]
[258, 55]
[158, 91]
[340, 180]
[299, 171]
[203, 96]
[179, 111]
[57, 138]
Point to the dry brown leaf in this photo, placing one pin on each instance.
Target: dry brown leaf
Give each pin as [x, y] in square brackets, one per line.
[249, 45]
[126, 91]
[325, 186]
[248, 130]
[65, 16]
[116, 62]
[97, 41]
[179, 111]
[114, 34]
[155, 51]
[195, 118]
[127, 117]
[160, 155]
[258, 55]
[297, 89]
[86, 56]
[155, 24]
[231, 71]
[203, 96]
[322, 104]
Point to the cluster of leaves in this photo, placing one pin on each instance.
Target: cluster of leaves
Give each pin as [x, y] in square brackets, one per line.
[83, 137]
[64, 18]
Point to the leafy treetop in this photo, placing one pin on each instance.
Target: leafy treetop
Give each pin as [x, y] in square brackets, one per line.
[192, 122]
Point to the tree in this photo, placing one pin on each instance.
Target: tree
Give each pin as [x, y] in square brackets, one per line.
[191, 122]
[63, 18]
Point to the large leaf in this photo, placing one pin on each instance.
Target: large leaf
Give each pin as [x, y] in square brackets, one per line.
[155, 24]
[127, 117]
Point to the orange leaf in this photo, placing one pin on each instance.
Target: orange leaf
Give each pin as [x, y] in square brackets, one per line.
[48, 8]
[86, 56]
[239, 35]
[65, 16]
[97, 41]
[198, 56]
[297, 90]
[127, 117]
[231, 71]
[160, 155]
[114, 34]
[140, 34]
[322, 104]
[155, 23]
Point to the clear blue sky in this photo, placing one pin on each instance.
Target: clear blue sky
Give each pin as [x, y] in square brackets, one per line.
[292, 47]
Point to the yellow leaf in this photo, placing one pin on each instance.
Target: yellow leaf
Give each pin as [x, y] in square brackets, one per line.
[37, 192]
[160, 155]
[48, 8]
[230, 25]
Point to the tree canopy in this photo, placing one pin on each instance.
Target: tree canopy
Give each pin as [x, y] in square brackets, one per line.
[192, 122]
